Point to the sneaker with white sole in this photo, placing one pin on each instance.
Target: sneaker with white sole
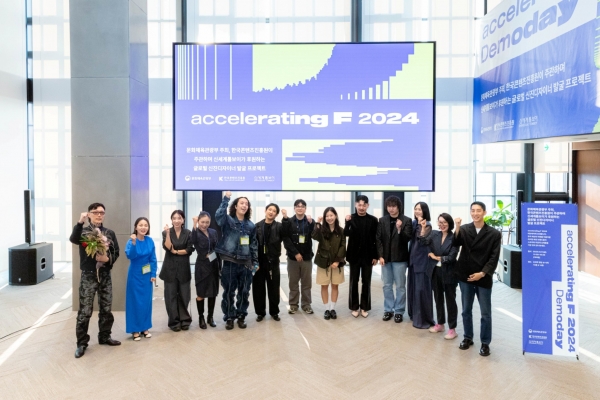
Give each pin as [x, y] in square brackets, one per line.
[307, 309]
[451, 334]
[436, 328]
[293, 309]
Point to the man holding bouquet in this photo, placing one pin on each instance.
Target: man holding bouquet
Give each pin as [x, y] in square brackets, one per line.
[98, 251]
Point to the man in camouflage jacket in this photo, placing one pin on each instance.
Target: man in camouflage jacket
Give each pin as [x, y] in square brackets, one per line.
[95, 277]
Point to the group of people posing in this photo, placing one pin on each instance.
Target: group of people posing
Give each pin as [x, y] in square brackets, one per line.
[418, 265]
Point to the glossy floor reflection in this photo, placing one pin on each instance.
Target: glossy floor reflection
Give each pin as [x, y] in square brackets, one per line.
[301, 357]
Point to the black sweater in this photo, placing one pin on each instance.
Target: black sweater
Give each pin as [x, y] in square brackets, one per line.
[87, 263]
[361, 233]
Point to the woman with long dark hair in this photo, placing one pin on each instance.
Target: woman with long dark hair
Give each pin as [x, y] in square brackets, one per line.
[140, 280]
[208, 265]
[175, 271]
[420, 294]
[330, 258]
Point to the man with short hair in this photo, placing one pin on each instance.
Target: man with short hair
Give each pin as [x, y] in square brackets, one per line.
[95, 277]
[269, 238]
[394, 232]
[297, 240]
[476, 264]
[361, 231]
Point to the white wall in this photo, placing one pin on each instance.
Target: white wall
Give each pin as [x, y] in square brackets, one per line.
[13, 126]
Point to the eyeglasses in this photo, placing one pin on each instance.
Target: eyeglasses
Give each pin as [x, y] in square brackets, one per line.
[98, 213]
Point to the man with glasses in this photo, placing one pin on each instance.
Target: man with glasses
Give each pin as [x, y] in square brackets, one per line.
[95, 277]
[297, 241]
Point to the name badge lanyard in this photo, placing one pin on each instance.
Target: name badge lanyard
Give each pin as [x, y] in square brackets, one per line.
[244, 239]
[265, 240]
[211, 255]
[301, 238]
[265, 251]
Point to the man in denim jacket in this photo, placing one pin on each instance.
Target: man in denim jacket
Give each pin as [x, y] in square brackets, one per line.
[238, 249]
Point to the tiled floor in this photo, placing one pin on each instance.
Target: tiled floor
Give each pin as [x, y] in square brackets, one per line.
[301, 357]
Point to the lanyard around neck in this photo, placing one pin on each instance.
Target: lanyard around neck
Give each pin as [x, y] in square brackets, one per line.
[298, 226]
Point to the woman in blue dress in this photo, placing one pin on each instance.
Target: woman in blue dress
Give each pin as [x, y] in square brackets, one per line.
[140, 280]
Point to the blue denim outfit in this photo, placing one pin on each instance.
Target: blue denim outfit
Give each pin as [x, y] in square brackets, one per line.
[232, 229]
[235, 275]
[394, 272]
[484, 296]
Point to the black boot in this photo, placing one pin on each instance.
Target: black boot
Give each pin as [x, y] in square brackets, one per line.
[241, 322]
[211, 309]
[200, 305]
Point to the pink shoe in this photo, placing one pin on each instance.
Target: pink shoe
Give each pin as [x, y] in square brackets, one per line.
[436, 328]
[451, 334]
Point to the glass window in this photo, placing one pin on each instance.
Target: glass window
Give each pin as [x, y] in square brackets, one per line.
[541, 182]
[557, 182]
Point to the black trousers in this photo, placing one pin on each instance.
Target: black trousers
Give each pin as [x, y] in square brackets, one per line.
[358, 269]
[265, 283]
[177, 299]
[441, 290]
[88, 287]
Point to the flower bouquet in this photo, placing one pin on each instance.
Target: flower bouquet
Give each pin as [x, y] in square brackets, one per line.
[95, 243]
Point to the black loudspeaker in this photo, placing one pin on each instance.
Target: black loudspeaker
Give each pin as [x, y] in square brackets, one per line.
[27, 208]
[510, 259]
[30, 264]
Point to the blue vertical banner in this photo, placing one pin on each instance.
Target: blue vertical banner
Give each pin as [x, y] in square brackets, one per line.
[550, 264]
[537, 71]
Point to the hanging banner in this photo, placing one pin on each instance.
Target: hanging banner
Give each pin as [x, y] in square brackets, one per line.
[537, 71]
[550, 264]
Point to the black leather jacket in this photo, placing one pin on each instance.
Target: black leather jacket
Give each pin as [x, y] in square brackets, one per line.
[275, 240]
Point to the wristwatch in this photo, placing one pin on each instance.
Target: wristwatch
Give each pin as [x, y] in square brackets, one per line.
[483, 276]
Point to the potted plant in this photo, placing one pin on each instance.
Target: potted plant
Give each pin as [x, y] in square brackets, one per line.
[502, 216]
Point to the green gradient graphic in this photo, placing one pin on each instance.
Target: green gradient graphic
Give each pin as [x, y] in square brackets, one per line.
[415, 81]
[276, 66]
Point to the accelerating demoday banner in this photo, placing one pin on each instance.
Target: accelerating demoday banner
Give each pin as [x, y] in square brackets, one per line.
[304, 116]
[537, 69]
[550, 262]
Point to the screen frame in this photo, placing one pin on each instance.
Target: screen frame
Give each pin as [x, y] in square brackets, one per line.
[433, 130]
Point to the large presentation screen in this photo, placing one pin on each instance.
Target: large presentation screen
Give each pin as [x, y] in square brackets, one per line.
[537, 70]
[304, 116]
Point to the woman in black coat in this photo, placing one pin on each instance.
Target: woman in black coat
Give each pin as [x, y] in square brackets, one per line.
[443, 258]
[205, 240]
[175, 272]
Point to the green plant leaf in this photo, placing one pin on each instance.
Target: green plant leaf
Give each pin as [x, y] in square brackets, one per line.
[500, 204]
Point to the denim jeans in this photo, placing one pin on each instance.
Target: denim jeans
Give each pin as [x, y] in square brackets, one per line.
[235, 277]
[484, 297]
[394, 273]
